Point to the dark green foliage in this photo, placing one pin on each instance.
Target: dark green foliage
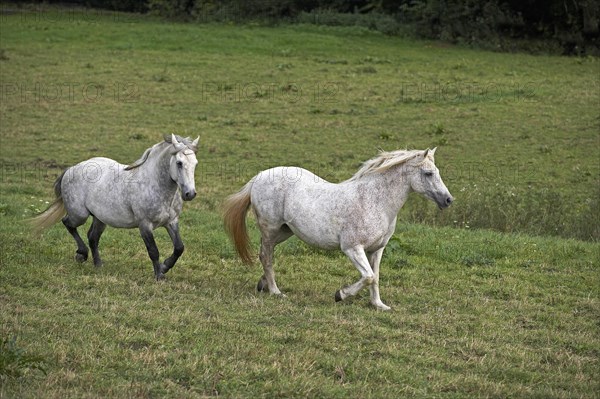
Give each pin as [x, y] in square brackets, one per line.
[116, 5]
[570, 27]
[467, 20]
[172, 9]
[374, 20]
[573, 25]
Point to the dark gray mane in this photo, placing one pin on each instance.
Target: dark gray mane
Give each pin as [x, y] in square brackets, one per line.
[167, 141]
[185, 140]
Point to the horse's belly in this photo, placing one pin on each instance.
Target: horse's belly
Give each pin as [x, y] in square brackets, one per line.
[125, 215]
[316, 234]
[115, 216]
[311, 216]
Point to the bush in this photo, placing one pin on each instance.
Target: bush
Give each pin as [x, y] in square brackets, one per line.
[172, 9]
[225, 10]
[574, 24]
[373, 21]
[465, 20]
[115, 5]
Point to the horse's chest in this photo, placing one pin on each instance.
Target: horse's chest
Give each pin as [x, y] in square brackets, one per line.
[370, 232]
[162, 212]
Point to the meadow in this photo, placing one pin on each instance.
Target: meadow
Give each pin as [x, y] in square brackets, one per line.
[497, 296]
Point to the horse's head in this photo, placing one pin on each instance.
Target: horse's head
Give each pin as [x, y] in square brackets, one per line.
[426, 180]
[183, 164]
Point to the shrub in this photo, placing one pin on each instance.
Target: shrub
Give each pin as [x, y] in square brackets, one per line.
[373, 21]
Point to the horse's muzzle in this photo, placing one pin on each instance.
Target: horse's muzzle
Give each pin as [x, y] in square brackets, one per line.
[188, 195]
[445, 202]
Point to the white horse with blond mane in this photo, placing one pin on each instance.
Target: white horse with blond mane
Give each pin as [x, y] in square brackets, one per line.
[357, 216]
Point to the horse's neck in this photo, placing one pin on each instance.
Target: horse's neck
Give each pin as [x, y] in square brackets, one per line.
[389, 188]
[155, 171]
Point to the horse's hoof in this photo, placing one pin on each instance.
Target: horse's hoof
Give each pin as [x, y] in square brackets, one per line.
[160, 276]
[80, 257]
[380, 305]
[338, 296]
[164, 269]
[261, 286]
[98, 264]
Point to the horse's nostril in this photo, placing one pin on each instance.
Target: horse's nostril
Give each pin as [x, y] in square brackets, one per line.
[190, 194]
[449, 200]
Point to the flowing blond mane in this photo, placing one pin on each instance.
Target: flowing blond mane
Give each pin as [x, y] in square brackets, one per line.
[384, 161]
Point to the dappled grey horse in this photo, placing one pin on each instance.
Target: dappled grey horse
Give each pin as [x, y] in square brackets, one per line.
[146, 194]
[357, 216]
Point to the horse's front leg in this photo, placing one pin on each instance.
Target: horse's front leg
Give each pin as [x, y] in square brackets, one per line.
[178, 247]
[374, 260]
[148, 237]
[359, 259]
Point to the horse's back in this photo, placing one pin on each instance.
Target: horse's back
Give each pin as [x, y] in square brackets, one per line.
[271, 187]
[286, 175]
[281, 181]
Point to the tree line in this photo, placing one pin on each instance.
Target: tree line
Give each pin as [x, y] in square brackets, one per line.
[567, 26]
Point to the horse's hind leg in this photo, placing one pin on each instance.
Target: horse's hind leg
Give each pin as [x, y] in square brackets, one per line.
[71, 223]
[94, 234]
[267, 246]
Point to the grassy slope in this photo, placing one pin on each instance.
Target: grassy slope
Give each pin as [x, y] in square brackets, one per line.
[518, 129]
[476, 313]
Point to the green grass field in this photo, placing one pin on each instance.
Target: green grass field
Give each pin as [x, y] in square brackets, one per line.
[496, 297]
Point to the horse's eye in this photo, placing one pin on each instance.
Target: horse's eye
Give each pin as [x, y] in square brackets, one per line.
[179, 164]
[428, 174]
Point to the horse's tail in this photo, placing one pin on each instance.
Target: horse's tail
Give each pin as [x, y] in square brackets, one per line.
[235, 210]
[54, 213]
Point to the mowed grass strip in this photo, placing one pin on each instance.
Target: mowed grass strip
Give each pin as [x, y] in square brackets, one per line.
[475, 313]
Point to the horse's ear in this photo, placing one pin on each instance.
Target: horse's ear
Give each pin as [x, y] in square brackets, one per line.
[429, 153]
[195, 142]
[176, 144]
